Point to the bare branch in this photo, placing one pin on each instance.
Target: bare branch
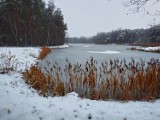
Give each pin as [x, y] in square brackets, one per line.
[138, 5]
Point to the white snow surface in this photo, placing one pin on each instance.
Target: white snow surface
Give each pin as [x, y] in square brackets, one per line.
[105, 52]
[20, 102]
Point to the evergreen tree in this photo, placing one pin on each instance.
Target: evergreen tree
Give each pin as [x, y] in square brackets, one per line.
[30, 23]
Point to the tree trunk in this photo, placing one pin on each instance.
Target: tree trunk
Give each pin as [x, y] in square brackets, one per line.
[14, 34]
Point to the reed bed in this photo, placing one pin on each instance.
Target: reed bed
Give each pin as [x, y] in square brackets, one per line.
[150, 45]
[44, 52]
[114, 79]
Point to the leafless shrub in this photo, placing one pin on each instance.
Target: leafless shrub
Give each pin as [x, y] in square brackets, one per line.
[8, 63]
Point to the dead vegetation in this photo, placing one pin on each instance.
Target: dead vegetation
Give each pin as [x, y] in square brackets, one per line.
[150, 45]
[114, 79]
[44, 52]
[8, 63]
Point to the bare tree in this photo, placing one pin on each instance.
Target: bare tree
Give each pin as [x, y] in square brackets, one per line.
[149, 7]
[138, 5]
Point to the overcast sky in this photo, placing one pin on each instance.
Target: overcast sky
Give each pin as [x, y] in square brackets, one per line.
[88, 17]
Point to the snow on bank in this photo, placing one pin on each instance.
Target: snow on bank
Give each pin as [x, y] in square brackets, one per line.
[20, 102]
[26, 56]
[150, 48]
[60, 46]
[105, 52]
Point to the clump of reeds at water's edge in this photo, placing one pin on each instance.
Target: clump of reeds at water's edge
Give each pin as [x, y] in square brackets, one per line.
[114, 79]
[44, 52]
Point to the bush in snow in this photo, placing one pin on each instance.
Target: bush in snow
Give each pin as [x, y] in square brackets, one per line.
[8, 63]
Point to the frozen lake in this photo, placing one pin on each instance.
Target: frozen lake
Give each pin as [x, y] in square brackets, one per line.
[82, 52]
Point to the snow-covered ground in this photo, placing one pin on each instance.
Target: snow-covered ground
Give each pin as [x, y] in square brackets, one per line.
[26, 56]
[20, 102]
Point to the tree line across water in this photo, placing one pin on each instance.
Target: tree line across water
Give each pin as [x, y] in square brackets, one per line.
[31, 23]
[122, 36]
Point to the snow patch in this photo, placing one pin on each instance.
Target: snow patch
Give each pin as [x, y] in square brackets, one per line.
[104, 52]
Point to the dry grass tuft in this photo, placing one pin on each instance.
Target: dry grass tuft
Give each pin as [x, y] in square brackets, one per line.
[8, 63]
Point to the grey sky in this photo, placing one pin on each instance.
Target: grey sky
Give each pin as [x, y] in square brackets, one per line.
[87, 17]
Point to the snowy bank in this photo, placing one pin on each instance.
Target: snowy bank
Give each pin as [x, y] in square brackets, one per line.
[60, 46]
[26, 56]
[20, 102]
[150, 49]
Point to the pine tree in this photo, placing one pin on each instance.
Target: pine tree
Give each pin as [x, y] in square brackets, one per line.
[30, 23]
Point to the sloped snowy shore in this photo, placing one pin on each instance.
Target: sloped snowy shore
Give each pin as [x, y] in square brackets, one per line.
[20, 102]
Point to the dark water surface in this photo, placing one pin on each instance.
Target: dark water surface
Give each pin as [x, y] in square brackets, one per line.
[82, 52]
